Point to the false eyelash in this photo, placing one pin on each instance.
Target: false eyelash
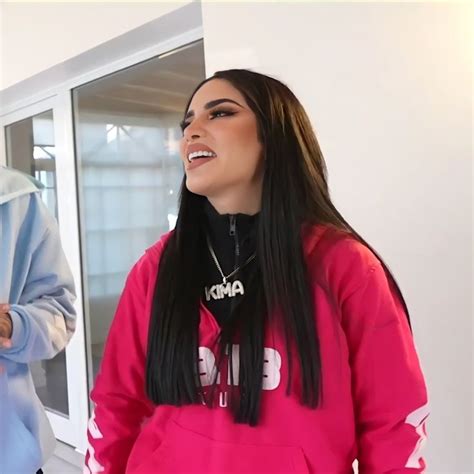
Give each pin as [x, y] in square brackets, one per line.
[227, 113]
[183, 124]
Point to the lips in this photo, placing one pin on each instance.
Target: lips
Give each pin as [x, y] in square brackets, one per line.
[199, 151]
[198, 154]
[198, 162]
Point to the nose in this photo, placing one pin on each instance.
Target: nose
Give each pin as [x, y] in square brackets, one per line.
[194, 130]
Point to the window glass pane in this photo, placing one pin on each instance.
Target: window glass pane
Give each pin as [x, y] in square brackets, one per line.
[127, 134]
[31, 149]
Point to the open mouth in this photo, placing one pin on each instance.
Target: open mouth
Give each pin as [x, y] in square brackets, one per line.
[196, 155]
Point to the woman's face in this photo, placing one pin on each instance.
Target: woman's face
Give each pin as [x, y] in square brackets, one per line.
[220, 149]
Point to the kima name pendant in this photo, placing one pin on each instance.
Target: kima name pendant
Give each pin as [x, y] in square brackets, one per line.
[226, 289]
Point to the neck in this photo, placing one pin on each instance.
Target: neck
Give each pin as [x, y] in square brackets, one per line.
[249, 204]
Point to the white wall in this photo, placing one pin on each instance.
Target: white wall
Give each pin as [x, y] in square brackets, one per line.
[388, 88]
[44, 34]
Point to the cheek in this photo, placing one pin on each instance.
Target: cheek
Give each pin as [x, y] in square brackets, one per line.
[182, 144]
[253, 150]
[246, 164]
[245, 146]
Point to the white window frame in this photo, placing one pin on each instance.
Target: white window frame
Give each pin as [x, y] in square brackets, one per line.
[68, 429]
[51, 91]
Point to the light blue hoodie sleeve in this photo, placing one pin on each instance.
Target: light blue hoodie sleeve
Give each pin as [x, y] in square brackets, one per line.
[43, 316]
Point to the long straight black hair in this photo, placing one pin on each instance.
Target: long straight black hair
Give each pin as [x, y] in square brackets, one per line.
[295, 192]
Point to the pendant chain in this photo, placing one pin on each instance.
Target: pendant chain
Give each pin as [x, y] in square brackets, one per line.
[231, 274]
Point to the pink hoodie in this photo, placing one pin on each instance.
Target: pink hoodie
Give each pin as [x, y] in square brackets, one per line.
[374, 403]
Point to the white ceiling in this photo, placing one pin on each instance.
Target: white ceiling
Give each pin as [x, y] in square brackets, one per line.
[159, 85]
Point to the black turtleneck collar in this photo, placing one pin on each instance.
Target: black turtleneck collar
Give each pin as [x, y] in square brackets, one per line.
[221, 226]
[233, 238]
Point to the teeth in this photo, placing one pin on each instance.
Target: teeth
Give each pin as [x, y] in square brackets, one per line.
[195, 154]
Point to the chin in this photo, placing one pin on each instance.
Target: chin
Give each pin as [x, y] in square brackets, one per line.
[199, 186]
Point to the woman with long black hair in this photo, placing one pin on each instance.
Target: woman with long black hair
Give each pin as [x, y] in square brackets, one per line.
[263, 334]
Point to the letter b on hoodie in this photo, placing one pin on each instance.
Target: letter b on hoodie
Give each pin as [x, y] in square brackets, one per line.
[271, 367]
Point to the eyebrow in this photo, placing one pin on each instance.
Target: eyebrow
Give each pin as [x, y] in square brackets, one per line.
[210, 105]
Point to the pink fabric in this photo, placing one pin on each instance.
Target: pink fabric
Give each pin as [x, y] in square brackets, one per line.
[374, 396]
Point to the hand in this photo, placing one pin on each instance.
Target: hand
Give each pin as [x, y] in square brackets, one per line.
[6, 327]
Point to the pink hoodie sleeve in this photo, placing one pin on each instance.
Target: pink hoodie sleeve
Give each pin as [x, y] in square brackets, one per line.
[119, 396]
[389, 391]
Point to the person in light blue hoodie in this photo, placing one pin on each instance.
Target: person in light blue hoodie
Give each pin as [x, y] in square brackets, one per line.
[37, 319]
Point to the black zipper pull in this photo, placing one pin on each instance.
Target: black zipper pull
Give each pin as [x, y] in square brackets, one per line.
[232, 225]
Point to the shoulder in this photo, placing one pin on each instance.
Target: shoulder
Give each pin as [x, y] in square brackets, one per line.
[155, 250]
[145, 269]
[14, 184]
[23, 211]
[337, 260]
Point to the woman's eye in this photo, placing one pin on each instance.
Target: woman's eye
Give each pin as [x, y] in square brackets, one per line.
[212, 115]
[220, 113]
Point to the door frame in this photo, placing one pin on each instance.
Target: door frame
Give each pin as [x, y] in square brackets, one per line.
[52, 89]
[71, 429]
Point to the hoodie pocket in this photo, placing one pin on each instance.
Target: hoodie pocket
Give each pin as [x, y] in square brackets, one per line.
[184, 451]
